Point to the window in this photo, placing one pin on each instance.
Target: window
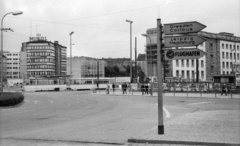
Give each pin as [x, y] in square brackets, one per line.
[223, 72]
[177, 73]
[222, 46]
[227, 55]
[227, 65]
[230, 55]
[223, 64]
[226, 46]
[237, 56]
[223, 55]
[187, 63]
[238, 47]
[202, 63]
[193, 75]
[230, 47]
[182, 73]
[177, 63]
[182, 63]
[188, 76]
[202, 74]
[192, 63]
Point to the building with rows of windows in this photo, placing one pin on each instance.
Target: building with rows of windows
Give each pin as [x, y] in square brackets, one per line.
[13, 65]
[222, 54]
[42, 58]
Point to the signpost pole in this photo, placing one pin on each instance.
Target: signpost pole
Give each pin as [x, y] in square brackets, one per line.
[159, 75]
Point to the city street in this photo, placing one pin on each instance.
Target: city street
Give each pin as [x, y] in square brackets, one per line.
[73, 117]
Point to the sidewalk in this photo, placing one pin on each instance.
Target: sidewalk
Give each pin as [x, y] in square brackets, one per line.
[201, 128]
[177, 94]
[208, 128]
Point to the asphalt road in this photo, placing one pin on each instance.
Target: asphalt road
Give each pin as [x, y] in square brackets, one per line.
[73, 117]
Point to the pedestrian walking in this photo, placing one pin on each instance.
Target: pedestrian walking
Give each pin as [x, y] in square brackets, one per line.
[113, 87]
[224, 89]
[108, 88]
[142, 89]
[146, 88]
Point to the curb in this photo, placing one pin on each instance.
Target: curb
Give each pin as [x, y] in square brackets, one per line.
[131, 140]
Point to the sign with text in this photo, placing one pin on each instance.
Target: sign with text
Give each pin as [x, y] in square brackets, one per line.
[182, 41]
[179, 54]
[183, 27]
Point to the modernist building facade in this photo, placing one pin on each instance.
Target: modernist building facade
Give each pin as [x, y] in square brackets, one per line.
[42, 58]
[142, 63]
[13, 65]
[222, 54]
[4, 71]
[86, 67]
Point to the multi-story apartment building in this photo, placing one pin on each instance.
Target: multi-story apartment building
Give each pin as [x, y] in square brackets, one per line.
[13, 65]
[86, 67]
[4, 68]
[222, 54]
[42, 58]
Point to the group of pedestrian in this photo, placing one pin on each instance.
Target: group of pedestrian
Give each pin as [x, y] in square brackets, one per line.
[146, 89]
[225, 89]
[126, 87]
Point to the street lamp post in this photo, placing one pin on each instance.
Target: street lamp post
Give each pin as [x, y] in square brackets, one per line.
[71, 53]
[13, 13]
[145, 35]
[130, 49]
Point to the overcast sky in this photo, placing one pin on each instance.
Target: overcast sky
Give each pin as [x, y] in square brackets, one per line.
[100, 27]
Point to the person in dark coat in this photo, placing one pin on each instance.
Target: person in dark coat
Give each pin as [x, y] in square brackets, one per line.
[142, 89]
[224, 89]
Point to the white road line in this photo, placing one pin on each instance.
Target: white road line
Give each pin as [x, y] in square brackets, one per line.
[168, 115]
[198, 103]
[167, 112]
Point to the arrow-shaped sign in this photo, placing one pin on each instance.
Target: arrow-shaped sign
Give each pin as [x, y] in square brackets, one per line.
[178, 54]
[182, 41]
[183, 27]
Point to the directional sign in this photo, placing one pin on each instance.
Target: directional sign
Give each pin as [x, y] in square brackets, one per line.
[182, 41]
[183, 27]
[178, 54]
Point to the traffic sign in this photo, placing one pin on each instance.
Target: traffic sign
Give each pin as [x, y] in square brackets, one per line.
[182, 41]
[183, 27]
[178, 54]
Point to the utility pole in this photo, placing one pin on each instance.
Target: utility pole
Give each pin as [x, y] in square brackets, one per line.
[136, 59]
[159, 75]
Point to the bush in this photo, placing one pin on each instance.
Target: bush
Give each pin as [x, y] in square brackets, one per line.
[11, 99]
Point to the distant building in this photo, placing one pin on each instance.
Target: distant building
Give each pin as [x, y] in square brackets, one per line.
[121, 63]
[13, 65]
[84, 67]
[142, 62]
[42, 58]
[222, 55]
[4, 68]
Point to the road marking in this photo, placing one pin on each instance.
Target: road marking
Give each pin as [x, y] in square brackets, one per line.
[167, 112]
[168, 115]
[198, 103]
[35, 101]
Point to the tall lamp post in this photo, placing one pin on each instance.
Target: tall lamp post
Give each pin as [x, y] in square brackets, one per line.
[71, 53]
[2, 29]
[145, 35]
[130, 49]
